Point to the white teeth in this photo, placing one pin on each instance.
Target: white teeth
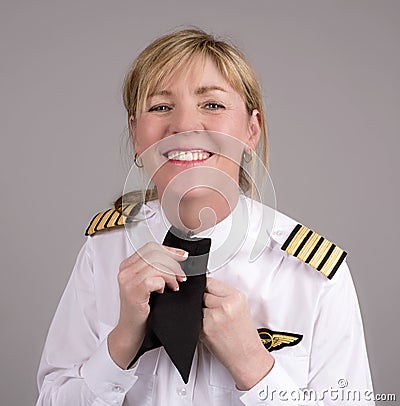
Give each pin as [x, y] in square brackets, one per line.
[188, 155]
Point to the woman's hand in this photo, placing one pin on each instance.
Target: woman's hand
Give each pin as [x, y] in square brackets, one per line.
[231, 335]
[148, 270]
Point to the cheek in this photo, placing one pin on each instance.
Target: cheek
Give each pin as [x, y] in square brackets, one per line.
[146, 134]
[235, 124]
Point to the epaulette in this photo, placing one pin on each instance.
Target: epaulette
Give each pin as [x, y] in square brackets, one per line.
[110, 218]
[314, 250]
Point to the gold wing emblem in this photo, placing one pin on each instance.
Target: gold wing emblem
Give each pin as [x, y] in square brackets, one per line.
[274, 340]
[280, 339]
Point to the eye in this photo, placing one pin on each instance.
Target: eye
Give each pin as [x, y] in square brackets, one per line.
[160, 107]
[214, 106]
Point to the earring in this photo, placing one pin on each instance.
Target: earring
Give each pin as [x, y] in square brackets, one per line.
[247, 155]
[137, 161]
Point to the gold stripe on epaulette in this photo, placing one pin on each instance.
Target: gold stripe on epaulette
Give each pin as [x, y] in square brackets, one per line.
[121, 220]
[101, 225]
[91, 228]
[318, 257]
[296, 241]
[104, 220]
[126, 210]
[315, 250]
[115, 218]
[307, 249]
[332, 261]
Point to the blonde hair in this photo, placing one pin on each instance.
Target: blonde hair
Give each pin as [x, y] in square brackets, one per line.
[170, 52]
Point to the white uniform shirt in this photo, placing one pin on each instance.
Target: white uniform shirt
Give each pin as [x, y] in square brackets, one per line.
[285, 294]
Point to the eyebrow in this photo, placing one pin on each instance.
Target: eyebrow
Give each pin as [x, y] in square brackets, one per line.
[207, 89]
[199, 91]
[161, 93]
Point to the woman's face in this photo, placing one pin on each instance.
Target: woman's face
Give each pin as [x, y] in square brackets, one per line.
[196, 97]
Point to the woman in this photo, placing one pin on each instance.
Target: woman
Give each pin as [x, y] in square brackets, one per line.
[274, 329]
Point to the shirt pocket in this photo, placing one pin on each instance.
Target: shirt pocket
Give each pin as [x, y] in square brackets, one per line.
[222, 386]
[296, 366]
[142, 392]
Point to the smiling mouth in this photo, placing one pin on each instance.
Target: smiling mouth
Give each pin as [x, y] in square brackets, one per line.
[188, 156]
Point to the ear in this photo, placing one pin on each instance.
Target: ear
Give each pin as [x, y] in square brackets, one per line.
[132, 130]
[254, 130]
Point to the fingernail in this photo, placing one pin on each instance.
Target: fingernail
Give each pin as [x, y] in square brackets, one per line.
[178, 251]
[176, 289]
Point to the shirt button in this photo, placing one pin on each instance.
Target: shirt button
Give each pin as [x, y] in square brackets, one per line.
[118, 389]
[278, 232]
[181, 391]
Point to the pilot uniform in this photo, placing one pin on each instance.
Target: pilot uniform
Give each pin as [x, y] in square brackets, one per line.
[301, 297]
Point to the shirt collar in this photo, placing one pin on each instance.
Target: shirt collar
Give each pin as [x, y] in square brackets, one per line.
[251, 227]
[227, 236]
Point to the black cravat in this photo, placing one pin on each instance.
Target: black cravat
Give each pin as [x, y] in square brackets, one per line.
[175, 318]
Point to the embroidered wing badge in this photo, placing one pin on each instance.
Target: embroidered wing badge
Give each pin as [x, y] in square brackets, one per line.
[275, 340]
[314, 250]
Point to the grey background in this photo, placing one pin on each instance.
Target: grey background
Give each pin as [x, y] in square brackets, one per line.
[330, 74]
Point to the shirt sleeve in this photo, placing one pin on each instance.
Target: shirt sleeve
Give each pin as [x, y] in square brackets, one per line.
[76, 367]
[338, 369]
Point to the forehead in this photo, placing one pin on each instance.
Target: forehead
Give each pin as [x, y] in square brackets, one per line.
[196, 73]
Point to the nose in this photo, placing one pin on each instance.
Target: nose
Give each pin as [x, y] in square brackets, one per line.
[185, 118]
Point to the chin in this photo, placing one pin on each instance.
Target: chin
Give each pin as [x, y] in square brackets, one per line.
[180, 195]
[200, 193]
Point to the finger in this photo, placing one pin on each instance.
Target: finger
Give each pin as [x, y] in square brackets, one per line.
[154, 284]
[140, 254]
[154, 256]
[210, 316]
[169, 278]
[144, 288]
[177, 253]
[156, 270]
[218, 288]
[153, 252]
[151, 247]
[211, 301]
[165, 263]
[206, 313]
[130, 278]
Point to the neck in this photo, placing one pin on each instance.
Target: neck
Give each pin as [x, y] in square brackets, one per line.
[198, 213]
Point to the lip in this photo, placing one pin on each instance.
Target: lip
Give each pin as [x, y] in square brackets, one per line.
[179, 148]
